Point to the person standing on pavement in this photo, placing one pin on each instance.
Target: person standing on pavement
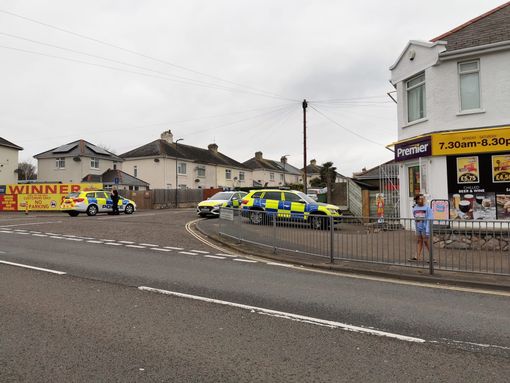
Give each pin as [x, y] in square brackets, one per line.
[115, 202]
[422, 214]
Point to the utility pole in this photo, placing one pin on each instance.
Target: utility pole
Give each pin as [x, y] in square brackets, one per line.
[305, 105]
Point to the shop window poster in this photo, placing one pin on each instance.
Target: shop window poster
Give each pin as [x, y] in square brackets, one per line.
[501, 168]
[473, 206]
[468, 170]
[503, 206]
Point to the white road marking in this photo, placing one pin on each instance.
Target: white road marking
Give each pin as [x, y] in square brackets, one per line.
[51, 233]
[136, 246]
[227, 255]
[69, 235]
[6, 232]
[20, 229]
[92, 241]
[33, 268]
[31, 223]
[279, 264]
[290, 316]
[106, 240]
[159, 249]
[173, 248]
[208, 243]
[127, 216]
[39, 235]
[56, 237]
[74, 239]
[245, 260]
[35, 232]
[22, 232]
[113, 244]
[200, 251]
[128, 242]
[214, 256]
[187, 253]
[2, 252]
[147, 244]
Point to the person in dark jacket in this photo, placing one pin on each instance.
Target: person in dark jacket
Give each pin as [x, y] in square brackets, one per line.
[115, 202]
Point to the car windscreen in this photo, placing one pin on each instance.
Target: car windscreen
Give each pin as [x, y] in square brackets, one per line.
[221, 196]
[306, 198]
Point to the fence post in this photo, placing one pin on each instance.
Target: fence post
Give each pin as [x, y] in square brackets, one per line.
[431, 247]
[274, 234]
[331, 239]
[239, 225]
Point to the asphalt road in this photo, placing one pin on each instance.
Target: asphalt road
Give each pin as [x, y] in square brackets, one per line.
[88, 313]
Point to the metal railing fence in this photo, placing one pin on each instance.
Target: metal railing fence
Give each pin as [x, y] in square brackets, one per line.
[467, 246]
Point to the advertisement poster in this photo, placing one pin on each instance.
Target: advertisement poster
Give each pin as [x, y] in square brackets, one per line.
[440, 209]
[39, 196]
[468, 170]
[503, 206]
[476, 206]
[501, 168]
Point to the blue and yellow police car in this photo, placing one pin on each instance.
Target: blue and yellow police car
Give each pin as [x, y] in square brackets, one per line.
[93, 202]
[211, 206]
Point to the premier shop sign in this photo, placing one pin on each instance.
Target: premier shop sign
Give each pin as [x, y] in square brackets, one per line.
[421, 147]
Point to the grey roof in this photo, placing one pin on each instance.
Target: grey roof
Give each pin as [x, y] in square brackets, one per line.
[489, 28]
[8, 144]
[109, 176]
[371, 174]
[263, 163]
[79, 148]
[162, 148]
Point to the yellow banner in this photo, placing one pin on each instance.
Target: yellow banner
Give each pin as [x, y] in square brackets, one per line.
[39, 196]
[471, 142]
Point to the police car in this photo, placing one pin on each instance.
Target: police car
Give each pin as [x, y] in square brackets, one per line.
[260, 205]
[211, 206]
[93, 202]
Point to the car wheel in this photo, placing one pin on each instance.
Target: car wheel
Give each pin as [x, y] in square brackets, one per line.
[256, 217]
[73, 213]
[92, 210]
[129, 209]
[319, 223]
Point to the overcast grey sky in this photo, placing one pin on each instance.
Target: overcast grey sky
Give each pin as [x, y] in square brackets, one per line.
[271, 54]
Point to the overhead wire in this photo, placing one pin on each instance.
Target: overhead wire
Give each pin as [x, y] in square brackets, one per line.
[181, 67]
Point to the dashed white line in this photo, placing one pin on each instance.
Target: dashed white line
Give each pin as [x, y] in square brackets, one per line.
[39, 235]
[113, 244]
[227, 255]
[136, 246]
[279, 264]
[174, 248]
[56, 237]
[159, 249]
[148, 244]
[69, 235]
[22, 232]
[200, 251]
[33, 267]
[32, 223]
[244, 260]
[128, 242]
[74, 239]
[6, 232]
[106, 240]
[91, 241]
[214, 256]
[290, 316]
[187, 253]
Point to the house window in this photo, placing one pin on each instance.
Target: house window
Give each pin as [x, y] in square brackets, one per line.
[241, 176]
[201, 171]
[271, 176]
[228, 174]
[281, 177]
[416, 108]
[60, 162]
[135, 171]
[469, 81]
[181, 168]
[94, 163]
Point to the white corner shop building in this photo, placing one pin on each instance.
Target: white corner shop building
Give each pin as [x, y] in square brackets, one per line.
[453, 96]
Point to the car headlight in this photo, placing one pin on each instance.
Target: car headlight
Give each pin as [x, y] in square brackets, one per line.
[333, 211]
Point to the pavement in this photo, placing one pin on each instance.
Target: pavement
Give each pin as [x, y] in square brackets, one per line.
[210, 228]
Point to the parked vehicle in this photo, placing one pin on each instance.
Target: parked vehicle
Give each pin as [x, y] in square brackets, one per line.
[211, 206]
[93, 202]
[259, 205]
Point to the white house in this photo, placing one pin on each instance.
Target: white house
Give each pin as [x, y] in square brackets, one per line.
[164, 164]
[453, 96]
[8, 162]
[74, 161]
[270, 173]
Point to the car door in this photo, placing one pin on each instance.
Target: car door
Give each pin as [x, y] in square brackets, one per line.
[294, 206]
[103, 205]
[272, 201]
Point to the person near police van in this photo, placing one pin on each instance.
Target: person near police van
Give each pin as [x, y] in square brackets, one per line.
[115, 202]
[422, 214]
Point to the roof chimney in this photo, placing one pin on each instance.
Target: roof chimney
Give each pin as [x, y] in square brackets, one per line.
[213, 148]
[167, 136]
[283, 160]
[258, 155]
[313, 162]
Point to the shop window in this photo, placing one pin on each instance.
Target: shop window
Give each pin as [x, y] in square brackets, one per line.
[414, 180]
[469, 81]
[415, 88]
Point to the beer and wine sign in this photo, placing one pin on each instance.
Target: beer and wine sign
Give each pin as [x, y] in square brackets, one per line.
[478, 174]
[20, 197]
